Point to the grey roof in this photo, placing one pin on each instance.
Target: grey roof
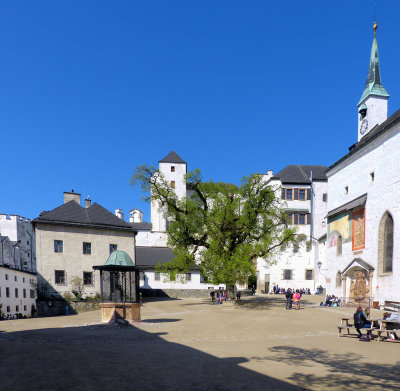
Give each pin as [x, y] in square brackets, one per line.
[370, 136]
[349, 205]
[72, 213]
[143, 226]
[151, 256]
[361, 262]
[297, 173]
[172, 157]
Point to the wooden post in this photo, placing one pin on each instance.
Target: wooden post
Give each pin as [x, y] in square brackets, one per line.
[344, 278]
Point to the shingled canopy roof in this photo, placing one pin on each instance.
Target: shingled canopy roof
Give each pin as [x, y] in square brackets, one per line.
[297, 173]
[172, 157]
[71, 213]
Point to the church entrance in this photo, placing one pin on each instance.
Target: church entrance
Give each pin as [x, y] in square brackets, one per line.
[358, 287]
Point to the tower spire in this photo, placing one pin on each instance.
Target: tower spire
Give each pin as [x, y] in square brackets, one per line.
[373, 85]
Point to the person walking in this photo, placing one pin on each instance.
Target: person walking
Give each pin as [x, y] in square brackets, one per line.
[289, 299]
[296, 299]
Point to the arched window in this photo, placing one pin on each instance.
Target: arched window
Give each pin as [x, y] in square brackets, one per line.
[338, 279]
[385, 244]
[339, 245]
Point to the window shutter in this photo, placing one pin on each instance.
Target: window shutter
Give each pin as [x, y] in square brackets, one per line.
[296, 218]
[308, 218]
[283, 194]
[296, 194]
[309, 194]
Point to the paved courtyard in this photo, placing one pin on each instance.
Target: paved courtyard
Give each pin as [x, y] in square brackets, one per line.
[192, 345]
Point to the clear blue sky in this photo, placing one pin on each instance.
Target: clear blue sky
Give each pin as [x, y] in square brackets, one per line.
[89, 90]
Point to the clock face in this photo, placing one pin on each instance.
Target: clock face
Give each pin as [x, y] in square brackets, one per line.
[364, 126]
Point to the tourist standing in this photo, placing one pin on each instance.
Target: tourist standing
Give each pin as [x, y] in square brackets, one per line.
[289, 299]
[296, 299]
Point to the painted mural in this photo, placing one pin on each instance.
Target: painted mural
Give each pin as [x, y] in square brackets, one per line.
[358, 230]
[339, 225]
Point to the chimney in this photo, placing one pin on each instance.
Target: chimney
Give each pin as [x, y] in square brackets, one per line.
[136, 216]
[270, 174]
[88, 202]
[69, 196]
[118, 213]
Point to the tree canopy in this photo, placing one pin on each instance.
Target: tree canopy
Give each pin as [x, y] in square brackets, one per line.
[220, 227]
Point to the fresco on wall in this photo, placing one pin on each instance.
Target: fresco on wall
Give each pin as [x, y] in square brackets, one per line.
[339, 225]
[358, 229]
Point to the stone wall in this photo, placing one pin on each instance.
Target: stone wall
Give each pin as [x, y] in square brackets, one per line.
[183, 293]
[63, 307]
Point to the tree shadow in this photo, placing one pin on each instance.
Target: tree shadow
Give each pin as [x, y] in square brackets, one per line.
[106, 357]
[265, 303]
[163, 320]
[345, 371]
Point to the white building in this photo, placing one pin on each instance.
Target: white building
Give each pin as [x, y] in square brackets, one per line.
[304, 196]
[17, 287]
[20, 230]
[363, 254]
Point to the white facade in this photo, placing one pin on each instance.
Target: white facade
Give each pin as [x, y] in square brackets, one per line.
[375, 171]
[289, 268]
[19, 229]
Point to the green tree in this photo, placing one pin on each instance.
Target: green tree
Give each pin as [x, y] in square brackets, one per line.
[221, 228]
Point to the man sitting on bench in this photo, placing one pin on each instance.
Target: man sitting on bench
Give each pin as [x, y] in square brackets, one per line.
[393, 317]
[361, 322]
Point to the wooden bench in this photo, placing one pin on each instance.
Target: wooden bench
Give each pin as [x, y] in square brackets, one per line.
[392, 306]
[384, 329]
[344, 324]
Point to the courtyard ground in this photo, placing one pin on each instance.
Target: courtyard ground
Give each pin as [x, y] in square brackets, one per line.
[192, 345]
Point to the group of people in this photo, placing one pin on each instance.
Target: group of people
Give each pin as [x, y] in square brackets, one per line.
[282, 291]
[362, 321]
[319, 290]
[218, 297]
[291, 297]
[331, 301]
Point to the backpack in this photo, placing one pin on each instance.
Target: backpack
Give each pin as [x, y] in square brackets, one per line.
[365, 338]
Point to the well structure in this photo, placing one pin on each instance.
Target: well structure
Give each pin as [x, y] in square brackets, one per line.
[119, 288]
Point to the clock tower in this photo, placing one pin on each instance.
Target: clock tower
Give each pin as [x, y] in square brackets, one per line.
[373, 105]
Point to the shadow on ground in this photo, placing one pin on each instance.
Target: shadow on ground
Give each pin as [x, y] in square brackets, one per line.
[109, 357]
[341, 371]
[269, 302]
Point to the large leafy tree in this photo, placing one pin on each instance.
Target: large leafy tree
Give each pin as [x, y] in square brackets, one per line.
[221, 228]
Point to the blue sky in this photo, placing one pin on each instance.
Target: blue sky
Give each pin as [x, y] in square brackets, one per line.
[89, 90]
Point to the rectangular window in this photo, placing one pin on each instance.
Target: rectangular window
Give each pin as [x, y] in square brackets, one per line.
[302, 194]
[346, 190]
[173, 184]
[157, 276]
[23, 279]
[6, 276]
[372, 176]
[58, 246]
[188, 276]
[17, 308]
[287, 274]
[32, 293]
[88, 278]
[8, 308]
[59, 276]
[309, 274]
[302, 218]
[24, 307]
[289, 194]
[7, 292]
[113, 247]
[87, 248]
[24, 293]
[16, 293]
[172, 168]
[27, 242]
[325, 197]
[15, 278]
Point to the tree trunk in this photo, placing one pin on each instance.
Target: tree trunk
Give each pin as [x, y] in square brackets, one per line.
[230, 291]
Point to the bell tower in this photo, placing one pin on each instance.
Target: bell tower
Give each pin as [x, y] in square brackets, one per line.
[373, 105]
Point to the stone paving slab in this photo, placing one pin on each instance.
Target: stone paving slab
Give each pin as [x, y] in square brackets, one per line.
[191, 344]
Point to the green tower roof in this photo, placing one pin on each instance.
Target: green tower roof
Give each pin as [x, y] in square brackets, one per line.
[119, 258]
[373, 85]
